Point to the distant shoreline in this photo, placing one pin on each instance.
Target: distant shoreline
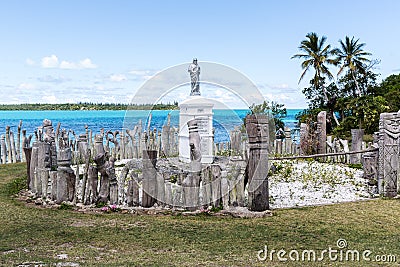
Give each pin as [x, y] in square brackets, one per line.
[87, 106]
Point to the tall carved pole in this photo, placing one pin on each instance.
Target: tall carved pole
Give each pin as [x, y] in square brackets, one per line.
[149, 178]
[389, 153]
[257, 167]
[191, 183]
[102, 163]
[65, 176]
[50, 138]
[84, 157]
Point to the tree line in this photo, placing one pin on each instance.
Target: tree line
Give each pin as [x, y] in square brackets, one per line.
[352, 97]
[90, 106]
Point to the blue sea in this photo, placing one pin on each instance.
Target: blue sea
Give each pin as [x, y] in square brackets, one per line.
[224, 120]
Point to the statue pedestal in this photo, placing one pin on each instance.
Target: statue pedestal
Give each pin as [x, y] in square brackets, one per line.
[200, 109]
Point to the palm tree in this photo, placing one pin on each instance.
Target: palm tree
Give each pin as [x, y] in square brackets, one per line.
[316, 55]
[352, 56]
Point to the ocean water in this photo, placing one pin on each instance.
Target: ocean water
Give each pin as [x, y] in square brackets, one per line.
[224, 120]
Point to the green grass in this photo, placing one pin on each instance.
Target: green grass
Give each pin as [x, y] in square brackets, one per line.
[32, 234]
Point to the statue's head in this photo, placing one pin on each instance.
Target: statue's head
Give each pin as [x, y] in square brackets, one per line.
[195, 60]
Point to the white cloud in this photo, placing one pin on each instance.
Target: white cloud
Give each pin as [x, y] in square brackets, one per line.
[118, 78]
[142, 74]
[68, 65]
[53, 62]
[108, 99]
[87, 64]
[26, 86]
[281, 86]
[53, 79]
[139, 72]
[83, 64]
[50, 62]
[52, 99]
[30, 62]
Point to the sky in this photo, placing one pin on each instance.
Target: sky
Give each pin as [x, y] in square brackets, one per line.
[104, 51]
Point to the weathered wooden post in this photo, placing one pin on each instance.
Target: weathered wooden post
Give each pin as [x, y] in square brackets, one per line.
[321, 132]
[91, 191]
[206, 187]
[288, 141]
[173, 147]
[279, 146]
[65, 176]
[215, 177]
[178, 199]
[102, 167]
[149, 182]
[132, 194]
[133, 148]
[84, 157]
[370, 167]
[1, 161]
[225, 192]
[91, 146]
[13, 149]
[18, 149]
[33, 164]
[235, 137]
[98, 144]
[25, 143]
[8, 142]
[389, 152]
[191, 183]
[356, 143]
[122, 182]
[122, 139]
[257, 167]
[165, 142]
[53, 181]
[4, 150]
[113, 182]
[236, 184]
[42, 169]
[28, 153]
[49, 138]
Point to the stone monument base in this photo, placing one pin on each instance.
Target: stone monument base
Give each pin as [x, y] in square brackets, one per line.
[200, 109]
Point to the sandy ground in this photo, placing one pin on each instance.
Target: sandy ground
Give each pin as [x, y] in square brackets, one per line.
[311, 183]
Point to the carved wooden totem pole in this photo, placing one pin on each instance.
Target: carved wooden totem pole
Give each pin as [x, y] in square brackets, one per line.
[389, 143]
[257, 166]
[191, 183]
[65, 174]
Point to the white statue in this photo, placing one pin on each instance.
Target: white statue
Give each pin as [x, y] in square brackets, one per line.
[194, 71]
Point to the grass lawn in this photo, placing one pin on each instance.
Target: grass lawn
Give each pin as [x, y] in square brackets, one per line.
[33, 234]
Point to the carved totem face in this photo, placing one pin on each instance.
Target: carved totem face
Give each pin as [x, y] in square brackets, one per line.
[257, 129]
[262, 130]
[392, 126]
[49, 134]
